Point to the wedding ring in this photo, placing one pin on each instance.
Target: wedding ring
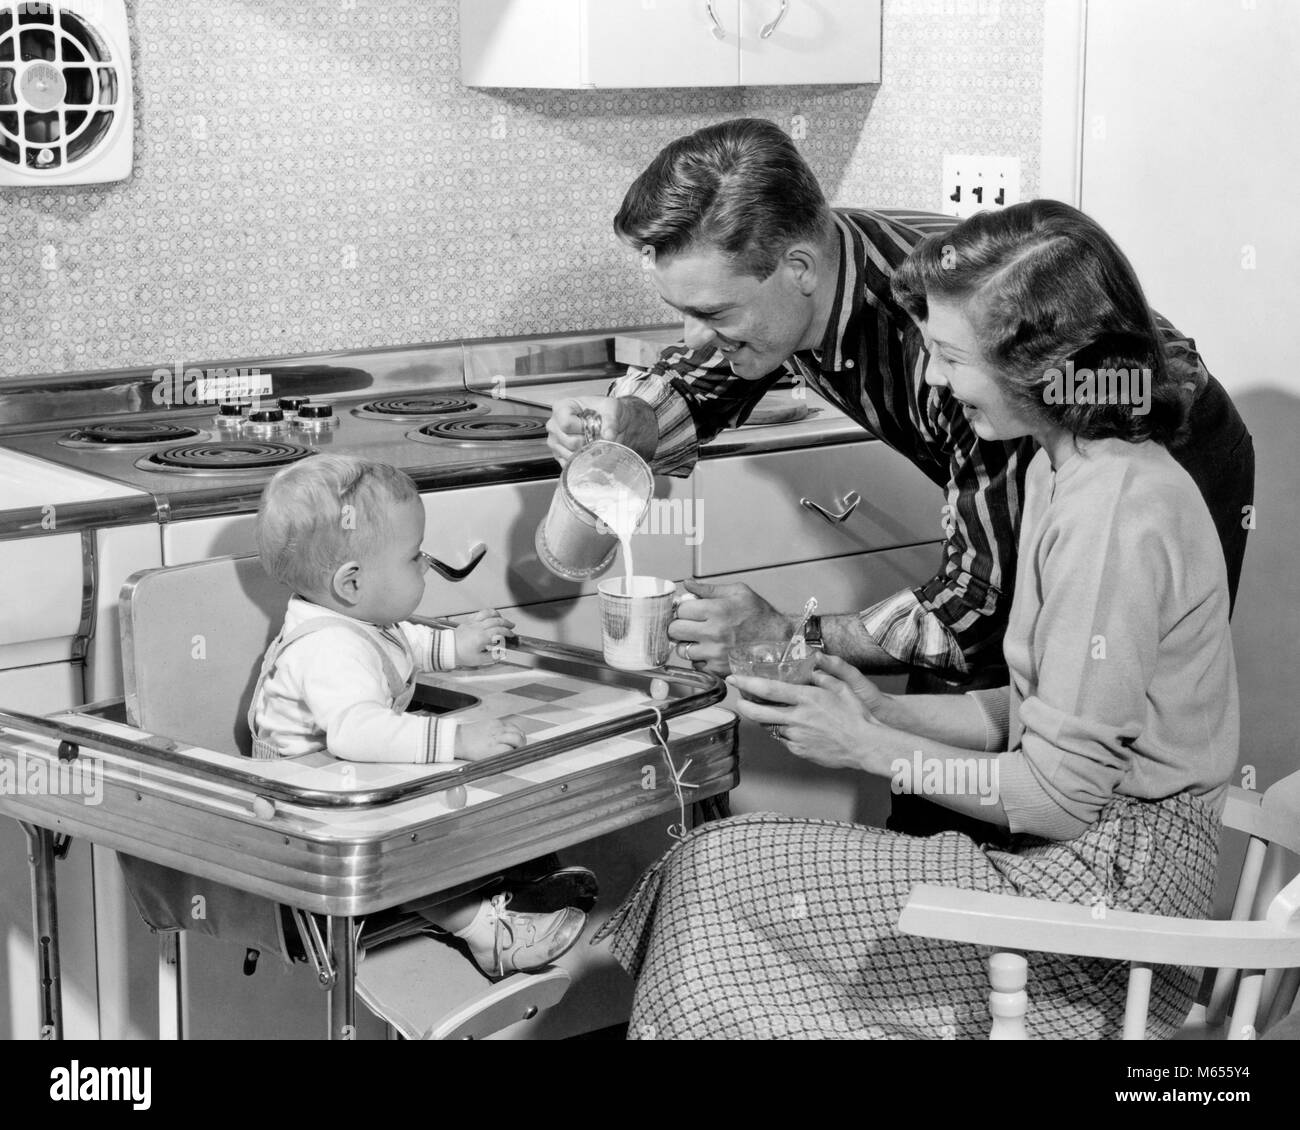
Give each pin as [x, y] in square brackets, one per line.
[775, 731]
[684, 650]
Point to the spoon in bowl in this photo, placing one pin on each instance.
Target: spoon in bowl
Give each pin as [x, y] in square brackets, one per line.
[808, 610]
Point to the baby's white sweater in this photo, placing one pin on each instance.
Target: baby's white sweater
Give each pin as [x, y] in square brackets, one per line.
[328, 691]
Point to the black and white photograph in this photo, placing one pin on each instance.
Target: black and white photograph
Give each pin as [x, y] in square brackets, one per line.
[650, 520]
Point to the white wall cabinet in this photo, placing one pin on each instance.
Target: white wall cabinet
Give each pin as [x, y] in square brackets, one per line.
[608, 44]
[808, 42]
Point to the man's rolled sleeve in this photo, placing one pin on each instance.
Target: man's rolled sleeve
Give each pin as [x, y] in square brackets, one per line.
[912, 634]
[695, 395]
[679, 446]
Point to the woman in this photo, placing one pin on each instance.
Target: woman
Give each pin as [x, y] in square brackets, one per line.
[1107, 756]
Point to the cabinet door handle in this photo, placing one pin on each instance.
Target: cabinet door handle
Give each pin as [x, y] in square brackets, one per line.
[850, 503]
[449, 572]
[771, 25]
[717, 30]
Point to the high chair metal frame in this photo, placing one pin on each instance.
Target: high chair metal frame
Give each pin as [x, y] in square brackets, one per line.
[476, 1008]
[175, 795]
[1259, 956]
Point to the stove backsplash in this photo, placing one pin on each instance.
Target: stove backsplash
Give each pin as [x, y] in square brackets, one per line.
[187, 384]
[496, 367]
[312, 176]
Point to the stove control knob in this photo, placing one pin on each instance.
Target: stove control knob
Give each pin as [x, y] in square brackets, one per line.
[230, 416]
[316, 418]
[266, 423]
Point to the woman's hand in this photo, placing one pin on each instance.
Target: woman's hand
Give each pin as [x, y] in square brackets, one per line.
[832, 670]
[480, 638]
[826, 723]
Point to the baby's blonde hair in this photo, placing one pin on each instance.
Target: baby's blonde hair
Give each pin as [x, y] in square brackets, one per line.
[325, 510]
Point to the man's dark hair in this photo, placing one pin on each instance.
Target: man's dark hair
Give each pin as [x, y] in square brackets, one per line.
[1044, 284]
[741, 187]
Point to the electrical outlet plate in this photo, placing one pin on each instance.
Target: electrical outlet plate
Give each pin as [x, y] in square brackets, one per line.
[972, 183]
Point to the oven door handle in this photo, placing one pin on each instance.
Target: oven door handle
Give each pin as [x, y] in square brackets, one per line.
[449, 572]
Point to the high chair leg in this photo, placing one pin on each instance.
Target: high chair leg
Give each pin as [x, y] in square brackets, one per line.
[41, 854]
[343, 1001]
[170, 1019]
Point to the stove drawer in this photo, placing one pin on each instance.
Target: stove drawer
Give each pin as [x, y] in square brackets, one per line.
[753, 517]
[505, 517]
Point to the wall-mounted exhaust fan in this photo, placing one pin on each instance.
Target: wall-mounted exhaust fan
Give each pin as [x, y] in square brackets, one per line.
[65, 92]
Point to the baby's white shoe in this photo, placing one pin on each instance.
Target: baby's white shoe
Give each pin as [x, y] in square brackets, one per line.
[512, 941]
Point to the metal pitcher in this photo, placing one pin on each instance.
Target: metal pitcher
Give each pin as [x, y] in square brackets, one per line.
[572, 541]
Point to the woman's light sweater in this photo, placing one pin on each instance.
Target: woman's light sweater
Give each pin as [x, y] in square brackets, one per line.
[1122, 673]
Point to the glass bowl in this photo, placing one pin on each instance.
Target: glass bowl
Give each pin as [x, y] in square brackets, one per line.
[763, 660]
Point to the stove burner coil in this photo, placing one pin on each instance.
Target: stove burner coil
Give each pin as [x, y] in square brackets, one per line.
[222, 458]
[133, 431]
[414, 406]
[488, 429]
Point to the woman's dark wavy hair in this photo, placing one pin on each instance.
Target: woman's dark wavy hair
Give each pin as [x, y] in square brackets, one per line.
[1043, 284]
[740, 186]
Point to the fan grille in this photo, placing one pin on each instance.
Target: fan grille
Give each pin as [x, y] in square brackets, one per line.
[60, 87]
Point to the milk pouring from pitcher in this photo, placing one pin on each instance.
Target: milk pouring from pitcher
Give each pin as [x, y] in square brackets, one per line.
[602, 497]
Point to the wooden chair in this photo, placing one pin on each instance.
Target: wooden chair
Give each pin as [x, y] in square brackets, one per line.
[1258, 955]
[231, 609]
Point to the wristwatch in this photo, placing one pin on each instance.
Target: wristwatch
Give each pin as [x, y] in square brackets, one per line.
[812, 633]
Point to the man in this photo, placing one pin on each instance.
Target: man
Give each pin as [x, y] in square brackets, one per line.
[736, 233]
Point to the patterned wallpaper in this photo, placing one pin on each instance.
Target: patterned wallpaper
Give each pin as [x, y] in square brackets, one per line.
[311, 175]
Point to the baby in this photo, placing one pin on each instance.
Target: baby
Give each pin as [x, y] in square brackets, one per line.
[345, 535]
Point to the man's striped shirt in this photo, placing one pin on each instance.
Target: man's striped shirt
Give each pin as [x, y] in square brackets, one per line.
[871, 366]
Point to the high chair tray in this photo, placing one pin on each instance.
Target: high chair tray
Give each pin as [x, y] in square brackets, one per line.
[562, 697]
[403, 831]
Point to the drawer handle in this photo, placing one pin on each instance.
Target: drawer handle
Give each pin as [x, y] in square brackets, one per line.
[772, 25]
[850, 503]
[450, 573]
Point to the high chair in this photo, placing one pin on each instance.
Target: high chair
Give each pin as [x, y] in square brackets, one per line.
[1258, 956]
[231, 609]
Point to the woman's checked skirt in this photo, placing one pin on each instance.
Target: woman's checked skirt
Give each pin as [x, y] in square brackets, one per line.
[766, 926]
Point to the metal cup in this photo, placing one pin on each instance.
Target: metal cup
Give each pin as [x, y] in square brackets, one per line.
[634, 629]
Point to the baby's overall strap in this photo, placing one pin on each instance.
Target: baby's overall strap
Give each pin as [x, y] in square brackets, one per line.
[264, 750]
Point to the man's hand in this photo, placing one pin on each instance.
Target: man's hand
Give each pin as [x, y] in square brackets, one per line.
[722, 617]
[624, 419]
